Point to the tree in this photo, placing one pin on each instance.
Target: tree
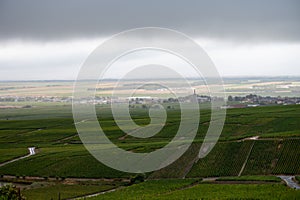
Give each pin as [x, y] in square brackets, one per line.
[138, 178]
[10, 192]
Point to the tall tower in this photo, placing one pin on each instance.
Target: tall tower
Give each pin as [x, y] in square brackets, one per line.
[194, 97]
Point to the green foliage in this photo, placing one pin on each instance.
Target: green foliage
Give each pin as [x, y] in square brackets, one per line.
[289, 158]
[263, 158]
[180, 167]
[262, 121]
[10, 154]
[65, 191]
[179, 189]
[251, 178]
[51, 129]
[148, 189]
[138, 178]
[62, 161]
[234, 191]
[226, 159]
[9, 192]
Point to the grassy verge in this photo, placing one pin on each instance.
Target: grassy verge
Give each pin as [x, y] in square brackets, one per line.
[251, 178]
[148, 189]
[65, 191]
[10, 154]
[172, 190]
[297, 178]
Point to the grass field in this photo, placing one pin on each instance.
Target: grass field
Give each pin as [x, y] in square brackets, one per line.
[149, 189]
[64, 191]
[183, 189]
[251, 178]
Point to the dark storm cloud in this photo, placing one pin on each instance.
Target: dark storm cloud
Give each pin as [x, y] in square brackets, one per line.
[236, 20]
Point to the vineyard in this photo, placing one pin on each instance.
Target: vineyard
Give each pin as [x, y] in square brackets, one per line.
[289, 158]
[60, 154]
[263, 157]
[226, 159]
[57, 146]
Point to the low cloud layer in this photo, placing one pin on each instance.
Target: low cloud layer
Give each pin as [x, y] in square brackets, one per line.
[272, 20]
[51, 39]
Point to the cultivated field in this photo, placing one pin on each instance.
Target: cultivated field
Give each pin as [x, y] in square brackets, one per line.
[278, 86]
[60, 155]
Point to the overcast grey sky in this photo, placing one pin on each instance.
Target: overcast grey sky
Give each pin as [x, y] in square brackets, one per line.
[51, 39]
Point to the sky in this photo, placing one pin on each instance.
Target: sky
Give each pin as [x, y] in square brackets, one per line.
[51, 39]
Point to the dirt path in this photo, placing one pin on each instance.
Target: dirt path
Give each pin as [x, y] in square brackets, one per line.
[93, 195]
[244, 164]
[289, 180]
[189, 167]
[31, 153]
[11, 178]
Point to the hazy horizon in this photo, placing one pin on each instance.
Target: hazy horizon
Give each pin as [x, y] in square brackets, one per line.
[133, 79]
[257, 38]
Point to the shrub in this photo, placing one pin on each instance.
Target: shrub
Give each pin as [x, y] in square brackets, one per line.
[137, 179]
[9, 192]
